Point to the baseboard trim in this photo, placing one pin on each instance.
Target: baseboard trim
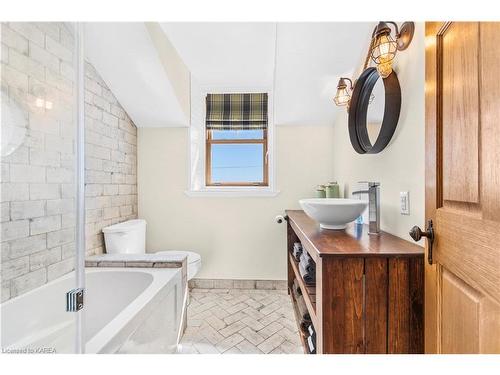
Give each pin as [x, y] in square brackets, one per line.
[237, 284]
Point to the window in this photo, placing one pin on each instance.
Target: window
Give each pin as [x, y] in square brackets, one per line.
[236, 140]
[236, 158]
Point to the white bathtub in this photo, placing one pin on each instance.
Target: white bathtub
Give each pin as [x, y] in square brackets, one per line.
[127, 310]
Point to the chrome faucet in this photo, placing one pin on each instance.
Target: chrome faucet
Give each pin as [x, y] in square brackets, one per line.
[373, 205]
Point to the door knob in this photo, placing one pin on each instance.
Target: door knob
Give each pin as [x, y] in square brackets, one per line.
[416, 233]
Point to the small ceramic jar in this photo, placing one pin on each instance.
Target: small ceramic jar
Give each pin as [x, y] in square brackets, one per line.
[320, 191]
[332, 190]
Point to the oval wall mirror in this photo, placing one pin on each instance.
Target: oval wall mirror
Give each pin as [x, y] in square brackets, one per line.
[374, 111]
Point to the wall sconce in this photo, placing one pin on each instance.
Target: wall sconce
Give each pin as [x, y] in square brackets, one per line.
[384, 47]
[343, 95]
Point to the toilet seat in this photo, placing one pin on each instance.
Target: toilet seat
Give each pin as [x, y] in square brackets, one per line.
[193, 260]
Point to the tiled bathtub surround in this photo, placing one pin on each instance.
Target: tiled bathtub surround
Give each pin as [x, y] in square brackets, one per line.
[37, 183]
[137, 261]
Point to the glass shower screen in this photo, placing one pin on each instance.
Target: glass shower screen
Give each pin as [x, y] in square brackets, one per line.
[42, 243]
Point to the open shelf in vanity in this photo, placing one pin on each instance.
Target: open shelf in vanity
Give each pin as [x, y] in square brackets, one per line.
[303, 337]
[368, 296]
[309, 294]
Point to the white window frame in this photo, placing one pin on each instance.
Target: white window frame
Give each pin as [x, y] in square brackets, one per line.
[197, 134]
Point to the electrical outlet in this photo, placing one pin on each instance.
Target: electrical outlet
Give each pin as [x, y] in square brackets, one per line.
[404, 202]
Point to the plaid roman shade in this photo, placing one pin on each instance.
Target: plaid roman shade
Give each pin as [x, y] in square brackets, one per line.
[236, 111]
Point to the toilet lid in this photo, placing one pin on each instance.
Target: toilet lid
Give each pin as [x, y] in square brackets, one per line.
[192, 257]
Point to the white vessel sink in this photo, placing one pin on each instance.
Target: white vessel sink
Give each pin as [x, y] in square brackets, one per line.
[333, 213]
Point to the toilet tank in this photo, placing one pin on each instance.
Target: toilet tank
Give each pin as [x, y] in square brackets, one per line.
[128, 237]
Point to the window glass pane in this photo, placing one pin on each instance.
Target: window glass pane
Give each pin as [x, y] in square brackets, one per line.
[237, 134]
[237, 163]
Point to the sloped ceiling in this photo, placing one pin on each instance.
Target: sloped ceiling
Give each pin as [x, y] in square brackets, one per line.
[226, 54]
[302, 61]
[127, 60]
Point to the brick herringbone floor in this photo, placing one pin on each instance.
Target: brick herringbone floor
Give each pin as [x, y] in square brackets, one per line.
[240, 321]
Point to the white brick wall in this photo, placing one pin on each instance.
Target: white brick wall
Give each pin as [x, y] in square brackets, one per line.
[111, 161]
[38, 178]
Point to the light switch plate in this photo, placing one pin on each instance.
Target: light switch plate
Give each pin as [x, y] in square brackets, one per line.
[404, 202]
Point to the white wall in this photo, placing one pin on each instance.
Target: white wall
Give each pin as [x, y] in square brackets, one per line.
[236, 237]
[400, 167]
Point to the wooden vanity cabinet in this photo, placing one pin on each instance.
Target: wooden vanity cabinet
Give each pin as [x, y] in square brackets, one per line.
[368, 296]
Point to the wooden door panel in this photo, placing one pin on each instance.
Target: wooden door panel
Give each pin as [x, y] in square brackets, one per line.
[490, 115]
[471, 319]
[471, 250]
[463, 187]
[458, 49]
[489, 322]
[460, 306]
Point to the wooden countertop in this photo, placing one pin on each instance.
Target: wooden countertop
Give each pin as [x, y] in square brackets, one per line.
[353, 241]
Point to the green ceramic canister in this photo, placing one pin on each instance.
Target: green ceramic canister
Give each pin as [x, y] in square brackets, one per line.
[332, 190]
[320, 191]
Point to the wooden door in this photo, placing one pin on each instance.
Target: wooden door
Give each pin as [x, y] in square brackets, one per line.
[462, 287]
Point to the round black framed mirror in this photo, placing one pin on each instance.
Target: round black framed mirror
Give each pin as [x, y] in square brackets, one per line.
[374, 111]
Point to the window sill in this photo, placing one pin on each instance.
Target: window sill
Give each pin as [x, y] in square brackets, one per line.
[237, 192]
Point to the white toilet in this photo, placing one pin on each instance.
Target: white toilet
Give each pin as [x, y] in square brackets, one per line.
[129, 237]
